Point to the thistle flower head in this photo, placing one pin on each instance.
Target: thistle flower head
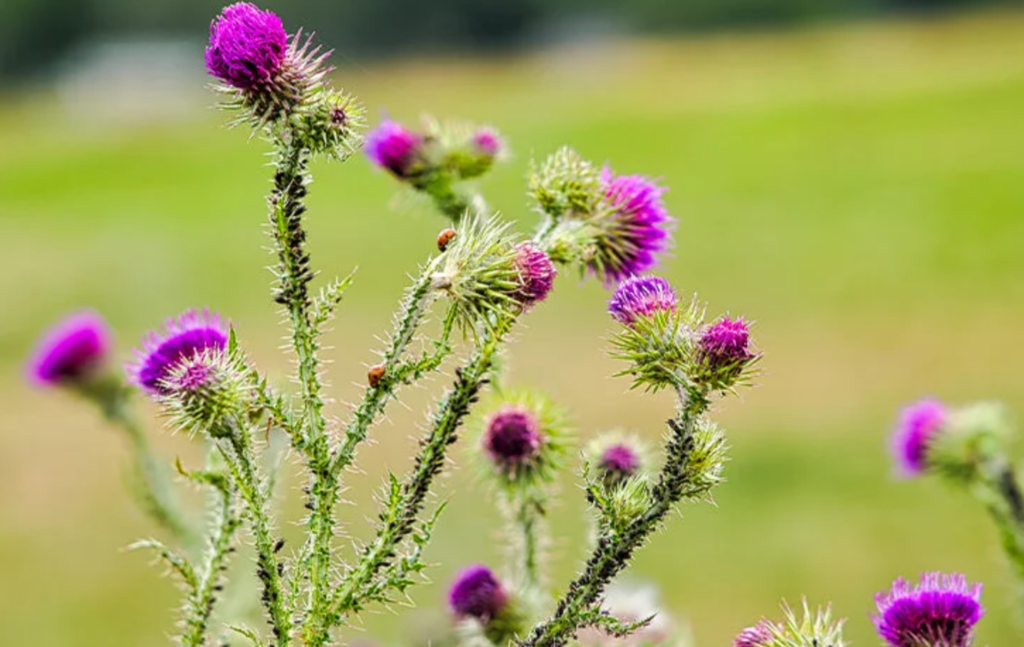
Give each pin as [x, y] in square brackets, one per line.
[523, 440]
[247, 46]
[204, 390]
[513, 437]
[918, 427]
[486, 142]
[536, 274]
[940, 611]
[723, 352]
[759, 635]
[73, 350]
[182, 339]
[395, 149]
[619, 461]
[642, 296]
[477, 593]
[635, 231]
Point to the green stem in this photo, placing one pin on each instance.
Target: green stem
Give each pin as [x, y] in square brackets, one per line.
[375, 398]
[294, 275]
[199, 606]
[398, 520]
[528, 521]
[249, 483]
[614, 550]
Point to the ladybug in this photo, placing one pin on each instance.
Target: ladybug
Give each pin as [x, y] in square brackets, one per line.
[445, 238]
[375, 375]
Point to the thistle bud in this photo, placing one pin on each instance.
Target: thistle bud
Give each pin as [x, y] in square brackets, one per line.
[478, 154]
[72, 352]
[566, 185]
[616, 458]
[941, 611]
[523, 440]
[536, 274]
[919, 425]
[395, 149]
[723, 353]
[513, 439]
[477, 595]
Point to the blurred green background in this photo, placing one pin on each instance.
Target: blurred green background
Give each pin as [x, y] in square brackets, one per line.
[857, 190]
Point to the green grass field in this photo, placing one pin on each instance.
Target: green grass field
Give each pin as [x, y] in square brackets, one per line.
[858, 191]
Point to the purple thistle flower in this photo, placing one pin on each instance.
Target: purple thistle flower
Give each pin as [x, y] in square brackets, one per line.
[477, 593]
[486, 142]
[759, 635]
[247, 46]
[619, 461]
[70, 351]
[190, 334]
[639, 228]
[941, 611]
[918, 426]
[536, 274]
[725, 343]
[641, 296]
[392, 147]
[512, 438]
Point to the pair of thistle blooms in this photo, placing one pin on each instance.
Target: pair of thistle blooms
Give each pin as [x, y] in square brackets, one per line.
[251, 52]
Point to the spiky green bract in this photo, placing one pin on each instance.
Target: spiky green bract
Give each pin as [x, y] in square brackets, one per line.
[812, 628]
[539, 469]
[974, 436]
[478, 272]
[565, 185]
[330, 123]
[504, 628]
[661, 348]
[973, 452]
[270, 104]
[462, 150]
[204, 391]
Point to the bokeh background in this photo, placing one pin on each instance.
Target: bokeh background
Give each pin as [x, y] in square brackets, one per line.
[849, 174]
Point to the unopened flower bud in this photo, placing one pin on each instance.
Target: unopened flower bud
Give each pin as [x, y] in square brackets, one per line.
[477, 593]
[536, 274]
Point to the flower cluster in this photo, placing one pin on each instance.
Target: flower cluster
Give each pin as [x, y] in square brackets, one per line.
[611, 226]
[437, 161]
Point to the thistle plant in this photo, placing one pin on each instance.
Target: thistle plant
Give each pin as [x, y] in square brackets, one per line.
[969, 448]
[481, 281]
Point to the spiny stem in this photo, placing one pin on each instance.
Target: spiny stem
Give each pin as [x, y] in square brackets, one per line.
[199, 606]
[614, 550]
[242, 462]
[399, 520]
[375, 398]
[294, 275]
[528, 522]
